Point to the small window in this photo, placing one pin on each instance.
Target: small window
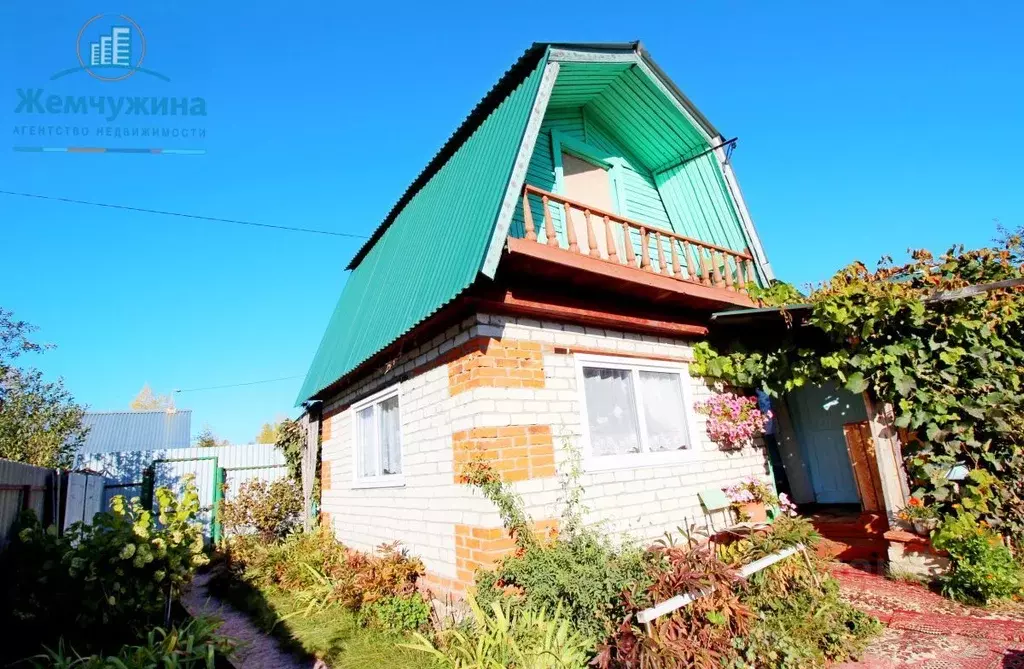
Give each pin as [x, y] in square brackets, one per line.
[634, 413]
[378, 439]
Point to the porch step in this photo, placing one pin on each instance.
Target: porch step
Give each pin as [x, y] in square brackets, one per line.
[852, 538]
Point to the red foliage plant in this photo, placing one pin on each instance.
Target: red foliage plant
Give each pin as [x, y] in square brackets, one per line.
[697, 635]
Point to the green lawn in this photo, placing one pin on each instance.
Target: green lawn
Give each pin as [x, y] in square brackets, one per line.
[333, 634]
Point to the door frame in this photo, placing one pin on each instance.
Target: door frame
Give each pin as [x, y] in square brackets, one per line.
[560, 141]
[803, 448]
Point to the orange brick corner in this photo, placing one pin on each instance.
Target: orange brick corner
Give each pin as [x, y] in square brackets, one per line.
[495, 363]
[482, 547]
[325, 475]
[517, 452]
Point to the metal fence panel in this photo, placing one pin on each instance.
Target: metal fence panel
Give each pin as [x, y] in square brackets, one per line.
[241, 463]
[22, 487]
[84, 498]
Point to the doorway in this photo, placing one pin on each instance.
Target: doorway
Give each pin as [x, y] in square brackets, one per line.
[818, 414]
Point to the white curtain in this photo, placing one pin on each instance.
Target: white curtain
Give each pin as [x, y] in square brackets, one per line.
[389, 430]
[611, 411]
[664, 411]
[366, 442]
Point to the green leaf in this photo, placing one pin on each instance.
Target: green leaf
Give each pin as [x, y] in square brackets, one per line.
[856, 383]
[905, 384]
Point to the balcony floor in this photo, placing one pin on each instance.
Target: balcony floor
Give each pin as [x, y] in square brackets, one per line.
[588, 274]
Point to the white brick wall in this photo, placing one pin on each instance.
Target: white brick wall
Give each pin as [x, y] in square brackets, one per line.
[641, 502]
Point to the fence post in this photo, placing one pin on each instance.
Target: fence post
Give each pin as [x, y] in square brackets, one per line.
[218, 496]
[146, 493]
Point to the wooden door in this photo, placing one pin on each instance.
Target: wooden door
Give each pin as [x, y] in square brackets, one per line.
[589, 184]
[818, 415]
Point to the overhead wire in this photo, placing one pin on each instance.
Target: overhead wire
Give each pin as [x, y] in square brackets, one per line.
[198, 217]
[238, 385]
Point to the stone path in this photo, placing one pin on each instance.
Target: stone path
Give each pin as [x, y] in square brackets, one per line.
[256, 650]
[926, 631]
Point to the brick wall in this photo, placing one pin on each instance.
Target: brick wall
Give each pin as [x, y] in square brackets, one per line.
[505, 388]
[517, 452]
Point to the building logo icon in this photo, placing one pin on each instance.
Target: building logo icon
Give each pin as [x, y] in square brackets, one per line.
[110, 47]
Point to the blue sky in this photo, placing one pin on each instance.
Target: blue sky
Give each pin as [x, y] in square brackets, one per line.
[864, 129]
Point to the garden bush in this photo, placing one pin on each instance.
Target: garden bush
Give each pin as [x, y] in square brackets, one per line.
[322, 572]
[798, 619]
[505, 635]
[583, 574]
[983, 569]
[194, 645]
[697, 635]
[271, 510]
[100, 585]
[788, 615]
[398, 614]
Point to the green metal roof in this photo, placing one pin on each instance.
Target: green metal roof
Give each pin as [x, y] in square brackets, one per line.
[449, 225]
[430, 248]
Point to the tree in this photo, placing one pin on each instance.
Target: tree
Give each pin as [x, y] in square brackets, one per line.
[268, 433]
[40, 423]
[207, 438]
[147, 401]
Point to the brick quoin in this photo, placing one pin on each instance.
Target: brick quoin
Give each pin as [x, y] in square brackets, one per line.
[517, 452]
[325, 428]
[482, 547]
[325, 475]
[485, 362]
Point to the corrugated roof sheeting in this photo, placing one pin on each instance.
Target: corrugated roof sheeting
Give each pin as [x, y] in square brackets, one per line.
[136, 430]
[432, 251]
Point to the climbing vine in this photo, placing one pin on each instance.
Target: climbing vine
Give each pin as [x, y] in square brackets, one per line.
[940, 339]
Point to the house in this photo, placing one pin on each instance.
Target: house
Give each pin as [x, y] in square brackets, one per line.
[536, 292]
[113, 431]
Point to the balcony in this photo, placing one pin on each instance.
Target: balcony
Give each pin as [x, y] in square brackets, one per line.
[595, 248]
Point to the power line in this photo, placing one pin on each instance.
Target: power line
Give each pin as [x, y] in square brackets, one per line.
[237, 385]
[179, 214]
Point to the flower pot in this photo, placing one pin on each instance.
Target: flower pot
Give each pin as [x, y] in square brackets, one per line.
[925, 525]
[753, 512]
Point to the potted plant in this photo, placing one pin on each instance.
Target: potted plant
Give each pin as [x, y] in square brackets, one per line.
[733, 420]
[924, 518]
[751, 498]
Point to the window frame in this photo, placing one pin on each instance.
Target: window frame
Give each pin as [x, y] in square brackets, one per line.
[645, 458]
[383, 480]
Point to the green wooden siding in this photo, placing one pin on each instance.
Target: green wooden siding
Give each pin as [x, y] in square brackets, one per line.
[699, 205]
[643, 201]
[434, 248]
[620, 112]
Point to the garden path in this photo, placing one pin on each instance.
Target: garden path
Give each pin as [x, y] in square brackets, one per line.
[926, 631]
[256, 650]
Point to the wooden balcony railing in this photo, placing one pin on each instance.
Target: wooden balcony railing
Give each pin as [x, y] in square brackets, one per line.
[601, 234]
